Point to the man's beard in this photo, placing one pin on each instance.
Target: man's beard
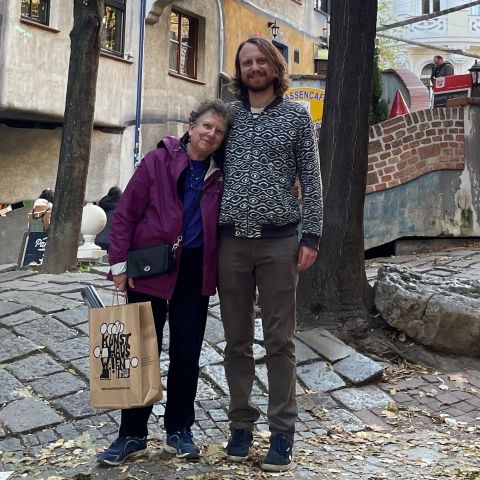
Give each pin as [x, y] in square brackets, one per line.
[260, 87]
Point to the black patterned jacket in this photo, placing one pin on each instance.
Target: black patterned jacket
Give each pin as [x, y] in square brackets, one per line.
[263, 158]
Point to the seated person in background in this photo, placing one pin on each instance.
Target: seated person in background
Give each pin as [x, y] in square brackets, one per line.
[40, 215]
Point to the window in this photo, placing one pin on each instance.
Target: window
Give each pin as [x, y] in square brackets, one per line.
[323, 5]
[426, 73]
[183, 44]
[474, 10]
[37, 10]
[296, 56]
[113, 26]
[430, 6]
[283, 49]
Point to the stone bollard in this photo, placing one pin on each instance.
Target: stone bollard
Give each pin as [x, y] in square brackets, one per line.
[94, 220]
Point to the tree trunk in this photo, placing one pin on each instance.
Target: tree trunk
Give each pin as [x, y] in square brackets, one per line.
[62, 245]
[335, 291]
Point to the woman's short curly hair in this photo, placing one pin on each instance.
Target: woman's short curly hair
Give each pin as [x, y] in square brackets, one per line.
[214, 106]
[281, 81]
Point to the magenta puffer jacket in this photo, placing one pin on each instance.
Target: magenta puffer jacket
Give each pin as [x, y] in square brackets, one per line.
[150, 213]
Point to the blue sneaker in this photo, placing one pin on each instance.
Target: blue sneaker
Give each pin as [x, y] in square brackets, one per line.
[122, 449]
[280, 456]
[239, 445]
[181, 443]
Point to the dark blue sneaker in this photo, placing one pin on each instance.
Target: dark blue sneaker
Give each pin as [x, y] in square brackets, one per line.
[122, 449]
[280, 456]
[181, 443]
[239, 445]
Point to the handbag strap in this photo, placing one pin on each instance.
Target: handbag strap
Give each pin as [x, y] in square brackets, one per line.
[188, 219]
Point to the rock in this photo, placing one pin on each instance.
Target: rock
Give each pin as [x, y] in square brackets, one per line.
[443, 314]
[358, 369]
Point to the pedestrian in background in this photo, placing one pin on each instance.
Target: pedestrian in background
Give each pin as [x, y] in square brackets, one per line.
[441, 69]
[272, 141]
[175, 192]
[109, 204]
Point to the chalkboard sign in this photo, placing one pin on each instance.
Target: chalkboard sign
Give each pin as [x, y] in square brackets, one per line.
[34, 248]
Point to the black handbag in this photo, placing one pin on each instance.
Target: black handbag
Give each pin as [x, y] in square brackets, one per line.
[151, 261]
[160, 259]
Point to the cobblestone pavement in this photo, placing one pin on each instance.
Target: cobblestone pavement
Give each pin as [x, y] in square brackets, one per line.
[414, 423]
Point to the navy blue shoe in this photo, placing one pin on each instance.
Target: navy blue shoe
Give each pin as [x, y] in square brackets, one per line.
[280, 456]
[122, 449]
[239, 445]
[181, 443]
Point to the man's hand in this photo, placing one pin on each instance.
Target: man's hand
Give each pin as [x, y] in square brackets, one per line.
[306, 257]
[120, 282]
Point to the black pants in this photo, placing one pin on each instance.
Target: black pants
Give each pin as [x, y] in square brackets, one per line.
[187, 316]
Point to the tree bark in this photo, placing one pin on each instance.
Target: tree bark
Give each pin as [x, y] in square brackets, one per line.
[335, 291]
[62, 245]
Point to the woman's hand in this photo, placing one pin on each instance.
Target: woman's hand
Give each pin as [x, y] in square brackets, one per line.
[120, 282]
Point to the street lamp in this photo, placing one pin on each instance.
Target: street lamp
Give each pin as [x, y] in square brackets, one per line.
[475, 73]
[274, 27]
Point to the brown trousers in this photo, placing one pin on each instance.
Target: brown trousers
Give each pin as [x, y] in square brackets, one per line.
[271, 265]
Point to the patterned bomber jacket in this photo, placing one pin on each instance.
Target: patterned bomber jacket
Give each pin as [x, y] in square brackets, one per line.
[263, 158]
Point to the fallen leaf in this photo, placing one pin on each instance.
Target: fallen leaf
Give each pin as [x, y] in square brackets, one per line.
[458, 377]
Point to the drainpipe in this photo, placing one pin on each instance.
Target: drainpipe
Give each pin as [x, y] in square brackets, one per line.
[138, 112]
[222, 45]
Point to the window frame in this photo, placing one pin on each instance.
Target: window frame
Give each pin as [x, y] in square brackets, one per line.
[118, 6]
[193, 21]
[431, 6]
[34, 19]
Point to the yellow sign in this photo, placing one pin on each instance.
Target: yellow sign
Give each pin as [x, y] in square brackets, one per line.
[311, 98]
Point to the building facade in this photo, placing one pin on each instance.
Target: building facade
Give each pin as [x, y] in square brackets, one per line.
[459, 30]
[189, 51]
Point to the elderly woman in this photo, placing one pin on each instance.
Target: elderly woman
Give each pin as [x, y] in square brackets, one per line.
[175, 192]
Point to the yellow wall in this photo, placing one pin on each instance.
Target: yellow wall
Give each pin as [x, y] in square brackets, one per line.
[243, 21]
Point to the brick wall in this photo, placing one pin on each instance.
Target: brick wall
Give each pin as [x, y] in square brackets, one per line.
[412, 145]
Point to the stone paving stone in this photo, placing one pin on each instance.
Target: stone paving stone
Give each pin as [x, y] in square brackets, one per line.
[343, 419]
[71, 349]
[82, 365]
[58, 385]
[14, 347]
[46, 331]
[409, 384]
[218, 415]
[11, 445]
[67, 431]
[30, 440]
[47, 436]
[28, 414]
[82, 328]
[362, 398]
[369, 418]
[20, 285]
[66, 278]
[319, 378]
[74, 316]
[303, 353]
[214, 331]
[77, 406]
[33, 367]
[8, 308]
[313, 402]
[447, 398]
[326, 344]
[15, 274]
[100, 269]
[44, 302]
[465, 407]
[20, 317]
[258, 331]
[358, 369]
[8, 385]
[262, 375]
[205, 391]
[209, 356]
[216, 373]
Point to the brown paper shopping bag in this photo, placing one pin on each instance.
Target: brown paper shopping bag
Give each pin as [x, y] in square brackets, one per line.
[124, 367]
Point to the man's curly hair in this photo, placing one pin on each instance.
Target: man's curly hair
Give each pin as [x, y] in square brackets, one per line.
[281, 81]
